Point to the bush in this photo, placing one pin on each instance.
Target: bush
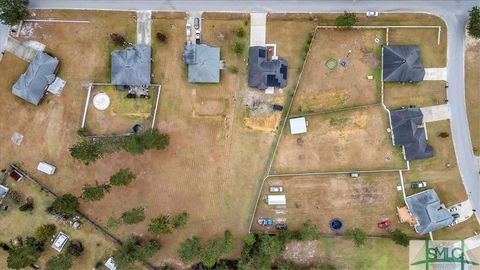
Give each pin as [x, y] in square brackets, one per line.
[133, 250]
[161, 37]
[309, 231]
[324, 266]
[233, 69]
[45, 232]
[66, 204]
[122, 178]
[347, 20]
[239, 32]
[190, 249]
[59, 262]
[94, 193]
[285, 265]
[151, 139]
[12, 12]
[179, 220]
[474, 22]
[357, 236]
[86, 151]
[134, 216]
[443, 134]
[23, 256]
[117, 39]
[238, 48]
[160, 225]
[82, 132]
[400, 238]
[74, 248]
[28, 206]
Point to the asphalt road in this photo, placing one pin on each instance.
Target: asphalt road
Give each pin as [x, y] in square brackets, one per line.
[454, 12]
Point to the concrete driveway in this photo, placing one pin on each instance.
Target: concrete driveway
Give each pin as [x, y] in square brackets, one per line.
[258, 29]
[435, 74]
[436, 113]
[144, 27]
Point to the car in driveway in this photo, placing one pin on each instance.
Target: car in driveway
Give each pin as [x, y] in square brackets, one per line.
[188, 29]
[384, 224]
[275, 189]
[265, 221]
[418, 184]
[197, 37]
[281, 227]
[456, 215]
[196, 23]
[452, 209]
[371, 13]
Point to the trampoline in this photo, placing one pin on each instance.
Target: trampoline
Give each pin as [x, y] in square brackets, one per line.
[331, 63]
[336, 224]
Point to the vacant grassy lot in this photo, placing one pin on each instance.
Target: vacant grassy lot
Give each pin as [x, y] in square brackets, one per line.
[432, 54]
[324, 89]
[15, 223]
[379, 254]
[122, 114]
[472, 90]
[341, 141]
[361, 202]
[426, 93]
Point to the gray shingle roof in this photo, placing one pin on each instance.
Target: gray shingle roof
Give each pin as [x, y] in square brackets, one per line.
[263, 73]
[408, 130]
[132, 66]
[425, 207]
[402, 64]
[32, 84]
[203, 63]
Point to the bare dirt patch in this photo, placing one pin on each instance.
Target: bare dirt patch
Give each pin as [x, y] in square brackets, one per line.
[340, 141]
[422, 94]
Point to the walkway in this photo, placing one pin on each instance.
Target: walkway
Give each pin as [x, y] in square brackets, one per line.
[144, 27]
[435, 74]
[436, 113]
[258, 29]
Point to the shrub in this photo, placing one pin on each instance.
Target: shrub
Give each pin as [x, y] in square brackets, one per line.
[160, 225]
[66, 204]
[12, 12]
[443, 134]
[23, 256]
[122, 178]
[347, 20]
[249, 239]
[285, 265]
[161, 37]
[59, 262]
[117, 39]
[134, 216]
[133, 250]
[309, 231]
[357, 236]
[74, 248]
[179, 220]
[190, 249]
[86, 151]
[324, 266]
[151, 139]
[474, 22]
[233, 69]
[45, 232]
[400, 238]
[28, 206]
[239, 32]
[238, 48]
[94, 193]
[82, 132]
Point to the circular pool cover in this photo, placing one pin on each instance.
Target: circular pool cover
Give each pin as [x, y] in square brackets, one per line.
[336, 224]
[101, 101]
[331, 63]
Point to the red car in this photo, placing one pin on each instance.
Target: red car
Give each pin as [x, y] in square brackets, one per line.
[384, 224]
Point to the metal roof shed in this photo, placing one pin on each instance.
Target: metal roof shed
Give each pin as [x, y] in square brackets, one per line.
[276, 200]
[298, 125]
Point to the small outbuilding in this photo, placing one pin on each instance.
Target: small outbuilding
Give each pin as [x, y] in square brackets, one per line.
[110, 264]
[3, 191]
[276, 200]
[60, 241]
[203, 63]
[298, 125]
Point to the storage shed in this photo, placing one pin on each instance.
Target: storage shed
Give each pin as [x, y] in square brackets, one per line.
[276, 200]
[298, 125]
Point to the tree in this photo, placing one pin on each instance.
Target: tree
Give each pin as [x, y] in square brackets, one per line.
[59, 262]
[74, 248]
[474, 22]
[238, 48]
[324, 266]
[12, 12]
[28, 206]
[357, 236]
[400, 238]
[150, 139]
[23, 256]
[160, 225]
[347, 20]
[285, 265]
[94, 193]
[66, 204]
[86, 151]
[122, 178]
[190, 249]
[134, 216]
[443, 134]
[45, 232]
[133, 250]
[179, 220]
[161, 37]
[117, 39]
[239, 32]
[309, 231]
[249, 239]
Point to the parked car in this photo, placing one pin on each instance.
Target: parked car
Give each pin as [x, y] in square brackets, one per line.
[419, 184]
[281, 227]
[384, 224]
[456, 215]
[276, 189]
[46, 168]
[277, 107]
[372, 14]
[265, 221]
[188, 29]
[452, 209]
[197, 37]
[196, 23]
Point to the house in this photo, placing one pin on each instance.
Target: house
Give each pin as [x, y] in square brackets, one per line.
[203, 63]
[430, 215]
[409, 132]
[265, 71]
[132, 66]
[298, 125]
[402, 64]
[32, 85]
[60, 241]
[276, 200]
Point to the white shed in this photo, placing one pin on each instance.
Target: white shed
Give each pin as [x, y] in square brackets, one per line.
[276, 200]
[110, 264]
[298, 125]
[60, 241]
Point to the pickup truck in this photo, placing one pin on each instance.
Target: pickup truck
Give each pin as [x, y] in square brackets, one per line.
[265, 221]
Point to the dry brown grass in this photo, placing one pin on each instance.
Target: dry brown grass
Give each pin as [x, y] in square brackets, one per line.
[472, 92]
[426, 93]
[340, 141]
[323, 89]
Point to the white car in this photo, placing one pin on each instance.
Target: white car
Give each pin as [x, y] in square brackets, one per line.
[188, 29]
[276, 189]
[372, 14]
[197, 34]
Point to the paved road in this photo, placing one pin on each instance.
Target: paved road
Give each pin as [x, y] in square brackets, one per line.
[453, 11]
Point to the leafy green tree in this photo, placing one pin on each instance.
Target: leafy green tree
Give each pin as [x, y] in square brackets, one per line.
[66, 204]
[208, 253]
[347, 20]
[160, 225]
[357, 236]
[94, 193]
[150, 139]
[134, 216]
[179, 220]
[285, 265]
[59, 262]
[86, 151]
[13, 11]
[190, 249]
[309, 231]
[45, 232]
[249, 239]
[23, 256]
[324, 266]
[133, 250]
[74, 248]
[238, 48]
[239, 32]
[400, 238]
[122, 178]
[474, 22]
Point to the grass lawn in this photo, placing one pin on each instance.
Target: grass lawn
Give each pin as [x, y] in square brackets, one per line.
[462, 230]
[336, 141]
[422, 94]
[472, 90]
